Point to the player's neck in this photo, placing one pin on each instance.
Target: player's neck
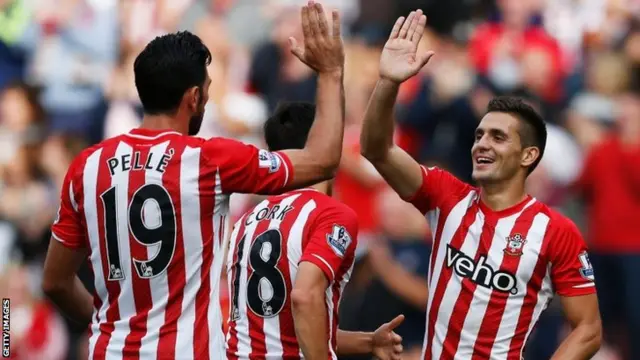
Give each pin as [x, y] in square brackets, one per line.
[501, 196]
[324, 187]
[163, 122]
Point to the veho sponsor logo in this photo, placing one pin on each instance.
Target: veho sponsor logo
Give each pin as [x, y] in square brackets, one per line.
[480, 272]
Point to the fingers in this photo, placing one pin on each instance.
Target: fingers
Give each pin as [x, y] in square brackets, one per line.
[306, 26]
[314, 19]
[323, 26]
[417, 34]
[396, 339]
[335, 15]
[312, 13]
[423, 59]
[397, 349]
[395, 322]
[405, 26]
[414, 24]
[315, 24]
[323, 49]
[295, 49]
[396, 28]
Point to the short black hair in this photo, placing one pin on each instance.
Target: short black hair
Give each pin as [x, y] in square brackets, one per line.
[288, 127]
[533, 130]
[168, 66]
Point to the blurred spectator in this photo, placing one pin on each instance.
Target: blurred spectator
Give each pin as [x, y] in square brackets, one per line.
[632, 43]
[617, 18]
[572, 23]
[56, 155]
[15, 19]
[27, 201]
[21, 119]
[37, 331]
[125, 111]
[593, 110]
[78, 48]
[515, 52]
[26, 205]
[610, 183]
[142, 20]
[276, 74]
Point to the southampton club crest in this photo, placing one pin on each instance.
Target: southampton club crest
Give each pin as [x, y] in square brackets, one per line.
[515, 244]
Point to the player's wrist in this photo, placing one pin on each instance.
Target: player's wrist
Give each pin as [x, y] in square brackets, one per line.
[369, 341]
[388, 82]
[333, 74]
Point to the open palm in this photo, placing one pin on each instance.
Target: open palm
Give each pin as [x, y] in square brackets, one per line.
[399, 60]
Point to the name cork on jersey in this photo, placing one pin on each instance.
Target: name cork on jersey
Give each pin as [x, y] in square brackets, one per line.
[266, 248]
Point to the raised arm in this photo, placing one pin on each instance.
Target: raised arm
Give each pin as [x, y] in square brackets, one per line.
[399, 61]
[323, 51]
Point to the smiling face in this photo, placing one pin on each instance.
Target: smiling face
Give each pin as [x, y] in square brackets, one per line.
[498, 152]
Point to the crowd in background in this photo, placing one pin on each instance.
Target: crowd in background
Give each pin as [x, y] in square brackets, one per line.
[66, 82]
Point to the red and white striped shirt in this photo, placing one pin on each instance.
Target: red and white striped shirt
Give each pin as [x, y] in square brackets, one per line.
[151, 207]
[266, 247]
[492, 273]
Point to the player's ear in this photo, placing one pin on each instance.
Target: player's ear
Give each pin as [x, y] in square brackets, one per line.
[529, 156]
[193, 98]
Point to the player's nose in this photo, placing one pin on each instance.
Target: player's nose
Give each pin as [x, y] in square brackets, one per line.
[483, 143]
[480, 147]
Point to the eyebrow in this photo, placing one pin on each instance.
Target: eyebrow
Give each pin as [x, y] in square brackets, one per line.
[498, 132]
[492, 131]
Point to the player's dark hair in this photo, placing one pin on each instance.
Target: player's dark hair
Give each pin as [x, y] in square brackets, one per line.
[288, 127]
[167, 67]
[533, 131]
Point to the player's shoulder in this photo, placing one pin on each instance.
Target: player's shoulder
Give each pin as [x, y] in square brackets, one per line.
[448, 183]
[217, 142]
[332, 204]
[445, 174]
[78, 162]
[322, 203]
[326, 203]
[560, 227]
[221, 148]
[195, 141]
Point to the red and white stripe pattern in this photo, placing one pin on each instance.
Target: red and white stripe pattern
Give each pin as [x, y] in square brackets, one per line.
[148, 317]
[174, 314]
[250, 335]
[484, 297]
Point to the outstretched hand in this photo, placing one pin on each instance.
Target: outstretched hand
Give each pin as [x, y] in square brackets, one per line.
[323, 49]
[387, 345]
[400, 59]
